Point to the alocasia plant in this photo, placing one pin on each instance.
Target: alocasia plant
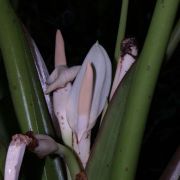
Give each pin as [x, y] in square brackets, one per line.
[80, 94]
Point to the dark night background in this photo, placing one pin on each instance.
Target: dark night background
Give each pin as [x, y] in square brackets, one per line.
[84, 22]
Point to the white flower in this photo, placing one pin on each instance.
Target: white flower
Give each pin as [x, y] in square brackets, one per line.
[81, 92]
[77, 106]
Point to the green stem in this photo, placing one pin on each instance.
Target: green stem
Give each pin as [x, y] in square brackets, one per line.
[141, 91]
[99, 164]
[174, 40]
[23, 82]
[13, 50]
[121, 28]
[73, 164]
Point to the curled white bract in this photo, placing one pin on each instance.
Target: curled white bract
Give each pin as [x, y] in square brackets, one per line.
[15, 156]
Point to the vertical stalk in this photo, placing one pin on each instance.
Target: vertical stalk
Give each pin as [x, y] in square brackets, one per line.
[121, 28]
[15, 55]
[24, 85]
[141, 91]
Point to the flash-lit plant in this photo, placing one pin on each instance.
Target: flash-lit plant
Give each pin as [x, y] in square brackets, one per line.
[76, 96]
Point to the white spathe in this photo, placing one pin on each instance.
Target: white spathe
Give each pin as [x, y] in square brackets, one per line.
[101, 64]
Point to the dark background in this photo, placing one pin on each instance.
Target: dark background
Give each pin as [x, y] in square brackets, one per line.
[84, 22]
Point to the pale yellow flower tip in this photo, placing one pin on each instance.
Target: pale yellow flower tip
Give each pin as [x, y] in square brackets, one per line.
[85, 100]
[60, 57]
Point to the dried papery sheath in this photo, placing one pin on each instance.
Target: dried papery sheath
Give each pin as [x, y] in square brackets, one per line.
[42, 70]
[15, 156]
[127, 58]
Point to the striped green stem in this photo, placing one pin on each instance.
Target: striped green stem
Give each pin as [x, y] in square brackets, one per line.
[72, 161]
[121, 28]
[141, 91]
[23, 82]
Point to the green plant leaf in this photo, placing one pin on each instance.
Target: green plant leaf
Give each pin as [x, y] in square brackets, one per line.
[121, 28]
[99, 163]
[24, 85]
[141, 91]
[115, 153]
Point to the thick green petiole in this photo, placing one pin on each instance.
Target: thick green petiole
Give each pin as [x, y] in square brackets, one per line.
[121, 28]
[23, 82]
[141, 91]
[122, 128]
[72, 162]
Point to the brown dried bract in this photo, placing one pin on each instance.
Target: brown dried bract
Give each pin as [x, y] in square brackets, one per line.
[81, 176]
[126, 46]
[18, 139]
[34, 143]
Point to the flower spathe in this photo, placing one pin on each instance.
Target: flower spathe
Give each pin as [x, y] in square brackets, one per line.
[102, 80]
[96, 64]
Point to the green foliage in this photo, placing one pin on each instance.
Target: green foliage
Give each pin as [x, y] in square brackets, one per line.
[121, 28]
[24, 85]
[126, 121]
[116, 149]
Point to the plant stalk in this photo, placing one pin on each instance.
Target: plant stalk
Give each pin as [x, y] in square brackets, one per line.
[73, 163]
[121, 28]
[141, 91]
[24, 85]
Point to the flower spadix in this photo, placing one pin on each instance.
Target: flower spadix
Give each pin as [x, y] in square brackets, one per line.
[60, 83]
[61, 74]
[128, 56]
